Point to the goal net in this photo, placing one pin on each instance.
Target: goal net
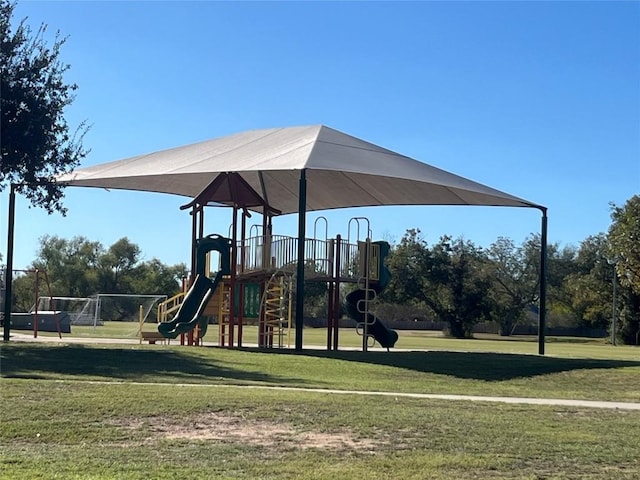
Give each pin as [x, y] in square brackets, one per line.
[104, 307]
[81, 310]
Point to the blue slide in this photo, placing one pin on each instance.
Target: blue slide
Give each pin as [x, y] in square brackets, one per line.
[190, 312]
[385, 336]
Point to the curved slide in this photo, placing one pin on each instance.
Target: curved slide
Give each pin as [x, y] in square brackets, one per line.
[378, 330]
[190, 312]
[355, 300]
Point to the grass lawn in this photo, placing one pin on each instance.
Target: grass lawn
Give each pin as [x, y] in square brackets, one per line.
[408, 339]
[164, 411]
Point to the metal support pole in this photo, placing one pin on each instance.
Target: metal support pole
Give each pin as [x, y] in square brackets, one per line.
[232, 282]
[542, 313]
[194, 236]
[302, 214]
[35, 308]
[8, 304]
[336, 300]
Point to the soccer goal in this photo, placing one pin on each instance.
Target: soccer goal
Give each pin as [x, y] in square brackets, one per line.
[104, 307]
[81, 310]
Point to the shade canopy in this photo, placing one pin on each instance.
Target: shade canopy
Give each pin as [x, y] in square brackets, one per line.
[341, 171]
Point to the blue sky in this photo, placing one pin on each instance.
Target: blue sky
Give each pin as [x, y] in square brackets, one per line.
[540, 100]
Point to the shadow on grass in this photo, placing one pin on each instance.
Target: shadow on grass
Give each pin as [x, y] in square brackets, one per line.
[472, 365]
[185, 365]
[145, 365]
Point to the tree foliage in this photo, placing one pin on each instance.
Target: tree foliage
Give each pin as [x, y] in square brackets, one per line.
[449, 278]
[624, 252]
[461, 284]
[36, 142]
[589, 287]
[516, 273]
[624, 241]
[80, 268]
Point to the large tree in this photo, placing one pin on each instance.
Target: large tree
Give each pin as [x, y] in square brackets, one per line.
[117, 267]
[516, 271]
[624, 241]
[624, 251]
[36, 142]
[458, 285]
[449, 278]
[589, 286]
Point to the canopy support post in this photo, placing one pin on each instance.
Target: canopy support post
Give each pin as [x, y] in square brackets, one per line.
[542, 312]
[302, 214]
[194, 236]
[8, 304]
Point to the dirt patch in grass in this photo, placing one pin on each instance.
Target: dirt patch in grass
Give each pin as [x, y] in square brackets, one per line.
[234, 429]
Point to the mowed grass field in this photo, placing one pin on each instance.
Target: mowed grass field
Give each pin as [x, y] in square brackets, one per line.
[408, 339]
[164, 411]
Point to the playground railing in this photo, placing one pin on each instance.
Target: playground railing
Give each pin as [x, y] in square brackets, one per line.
[279, 252]
[169, 306]
[353, 260]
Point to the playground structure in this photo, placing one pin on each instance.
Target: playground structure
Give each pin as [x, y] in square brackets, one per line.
[262, 285]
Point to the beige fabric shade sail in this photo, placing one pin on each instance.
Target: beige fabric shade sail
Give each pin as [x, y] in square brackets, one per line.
[296, 170]
[341, 171]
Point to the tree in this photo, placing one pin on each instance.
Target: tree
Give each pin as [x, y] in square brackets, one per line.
[561, 262]
[153, 276]
[80, 268]
[117, 266]
[624, 251]
[400, 298]
[589, 286]
[36, 142]
[70, 264]
[516, 271]
[407, 263]
[624, 242]
[450, 279]
[458, 285]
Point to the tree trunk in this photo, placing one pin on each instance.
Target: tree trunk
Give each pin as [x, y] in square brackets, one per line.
[457, 329]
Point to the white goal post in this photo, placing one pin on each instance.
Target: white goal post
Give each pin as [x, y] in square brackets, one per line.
[81, 310]
[96, 309]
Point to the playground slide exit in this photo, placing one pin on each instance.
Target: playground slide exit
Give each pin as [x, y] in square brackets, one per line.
[190, 312]
[384, 335]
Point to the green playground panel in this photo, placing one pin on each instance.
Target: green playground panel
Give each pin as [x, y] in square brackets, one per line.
[251, 300]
